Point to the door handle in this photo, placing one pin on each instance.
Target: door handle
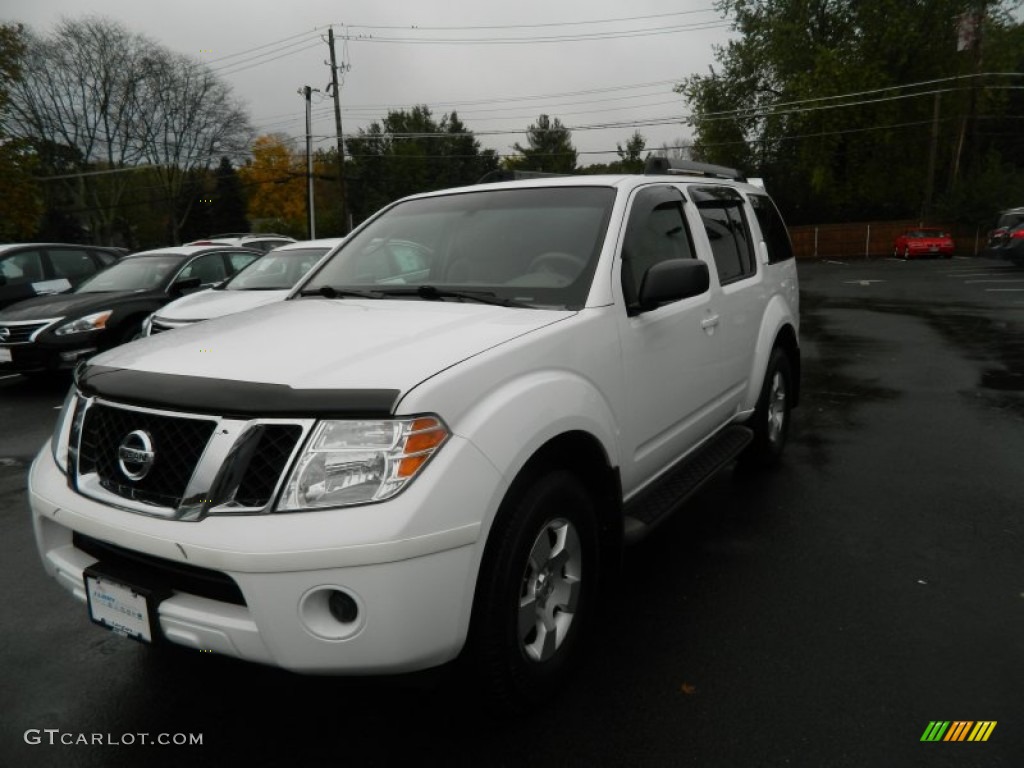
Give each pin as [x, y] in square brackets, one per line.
[709, 322]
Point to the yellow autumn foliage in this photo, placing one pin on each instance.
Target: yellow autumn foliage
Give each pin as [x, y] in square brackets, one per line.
[274, 181]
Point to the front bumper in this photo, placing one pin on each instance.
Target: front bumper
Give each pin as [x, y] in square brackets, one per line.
[32, 357]
[1010, 249]
[410, 564]
[928, 252]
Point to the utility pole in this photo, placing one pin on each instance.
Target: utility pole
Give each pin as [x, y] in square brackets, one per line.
[336, 92]
[971, 25]
[307, 92]
[926, 209]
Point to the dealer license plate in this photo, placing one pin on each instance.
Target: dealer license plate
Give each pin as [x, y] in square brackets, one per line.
[5, 355]
[118, 607]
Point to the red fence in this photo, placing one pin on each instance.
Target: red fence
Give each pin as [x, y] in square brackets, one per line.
[872, 239]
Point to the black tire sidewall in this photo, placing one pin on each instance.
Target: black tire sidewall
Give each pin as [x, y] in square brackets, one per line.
[762, 450]
[513, 680]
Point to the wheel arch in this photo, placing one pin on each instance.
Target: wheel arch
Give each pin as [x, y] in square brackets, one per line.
[582, 454]
[778, 329]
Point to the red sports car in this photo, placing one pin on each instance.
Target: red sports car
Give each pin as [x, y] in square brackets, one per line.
[923, 242]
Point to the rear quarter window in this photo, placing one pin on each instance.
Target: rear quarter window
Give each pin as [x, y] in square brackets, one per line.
[773, 229]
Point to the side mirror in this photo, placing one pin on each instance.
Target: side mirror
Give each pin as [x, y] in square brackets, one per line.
[673, 280]
[183, 286]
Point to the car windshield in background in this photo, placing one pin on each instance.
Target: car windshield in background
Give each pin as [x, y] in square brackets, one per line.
[278, 270]
[535, 246]
[926, 233]
[141, 273]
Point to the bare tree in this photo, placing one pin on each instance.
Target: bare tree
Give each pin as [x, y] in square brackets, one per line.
[111, 100]
[78, 92]
[190, 120]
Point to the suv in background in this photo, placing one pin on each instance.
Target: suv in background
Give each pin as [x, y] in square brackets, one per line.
[439, 442]
[1006, 241]
[264, 241]
[37, 269]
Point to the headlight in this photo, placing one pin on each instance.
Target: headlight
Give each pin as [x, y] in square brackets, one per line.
[62, 431]
[95, 322]
[355, 462]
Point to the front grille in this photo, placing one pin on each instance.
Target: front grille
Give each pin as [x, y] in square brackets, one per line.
[21, 333]
[150, 571]
[268, 461]
[178, 443]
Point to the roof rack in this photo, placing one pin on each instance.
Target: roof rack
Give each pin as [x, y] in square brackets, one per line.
[660, 166]
[502, 174]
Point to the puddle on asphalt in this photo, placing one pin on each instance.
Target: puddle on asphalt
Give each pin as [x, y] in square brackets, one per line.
[830, 394]
[992, 342]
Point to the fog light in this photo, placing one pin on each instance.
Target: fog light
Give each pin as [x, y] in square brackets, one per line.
[342, 607]
[332, 612]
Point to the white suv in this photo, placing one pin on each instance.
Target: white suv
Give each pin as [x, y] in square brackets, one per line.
[437, 445]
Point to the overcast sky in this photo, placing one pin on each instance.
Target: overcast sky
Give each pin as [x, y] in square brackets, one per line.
[403, 53]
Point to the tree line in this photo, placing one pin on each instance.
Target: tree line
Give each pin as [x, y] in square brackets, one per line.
[951, 147]
[106, 136]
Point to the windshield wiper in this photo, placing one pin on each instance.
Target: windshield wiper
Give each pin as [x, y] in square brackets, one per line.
[330, 292]
[433, 293]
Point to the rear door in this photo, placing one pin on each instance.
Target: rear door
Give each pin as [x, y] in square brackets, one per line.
[20, 272]
[741, 306]
[72, 264]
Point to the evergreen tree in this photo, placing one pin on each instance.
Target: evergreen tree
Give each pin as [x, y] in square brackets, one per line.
[549, 149]
[409, 152]
[227, 207]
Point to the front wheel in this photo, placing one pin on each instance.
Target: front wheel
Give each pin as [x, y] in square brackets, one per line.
[770, 422]
[537, 591]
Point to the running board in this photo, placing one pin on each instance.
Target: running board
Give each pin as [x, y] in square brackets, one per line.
[654, 504]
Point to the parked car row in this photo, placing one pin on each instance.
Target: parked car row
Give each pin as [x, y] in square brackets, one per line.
[80, 300]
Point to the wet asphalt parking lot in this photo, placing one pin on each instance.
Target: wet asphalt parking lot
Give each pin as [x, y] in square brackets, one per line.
[819, 615]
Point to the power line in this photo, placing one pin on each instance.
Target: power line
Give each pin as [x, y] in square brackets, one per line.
[537, 26]
[536, 40]
[233, 69]
[247, 51]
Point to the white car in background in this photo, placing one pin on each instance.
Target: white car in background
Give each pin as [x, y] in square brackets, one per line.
[268, 279]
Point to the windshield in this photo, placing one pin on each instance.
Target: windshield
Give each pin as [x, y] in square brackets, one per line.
[535, 246]
[926, 233]
[278, 270]
[139, 273]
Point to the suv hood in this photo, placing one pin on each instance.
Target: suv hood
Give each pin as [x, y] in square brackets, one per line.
[332, 344]
[210, 303]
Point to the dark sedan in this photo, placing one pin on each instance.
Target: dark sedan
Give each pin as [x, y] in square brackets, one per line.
[52, 332]
[37, 269]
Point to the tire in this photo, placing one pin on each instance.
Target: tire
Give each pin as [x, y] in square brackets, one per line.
[537, 592]
[770, 422]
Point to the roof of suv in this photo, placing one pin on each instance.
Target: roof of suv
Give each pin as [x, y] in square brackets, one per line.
[184, 250]
[240, 239]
